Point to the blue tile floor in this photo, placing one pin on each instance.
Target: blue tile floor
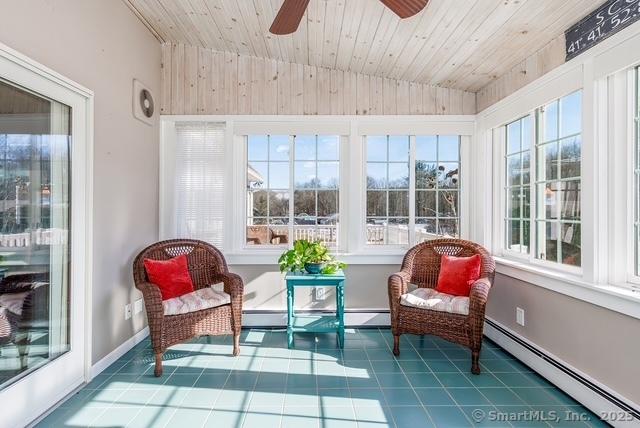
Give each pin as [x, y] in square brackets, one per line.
[317, 385]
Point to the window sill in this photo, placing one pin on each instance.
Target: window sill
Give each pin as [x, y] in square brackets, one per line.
[615, 298]
[269, 257]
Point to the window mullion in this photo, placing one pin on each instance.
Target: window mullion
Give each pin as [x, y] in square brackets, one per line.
[292, 185]
[412, 189]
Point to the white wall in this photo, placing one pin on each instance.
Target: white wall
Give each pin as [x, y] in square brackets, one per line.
[103, 46]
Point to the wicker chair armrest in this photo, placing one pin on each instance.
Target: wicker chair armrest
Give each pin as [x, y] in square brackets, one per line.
[155, 311]
[233, 284]
[152, 297]
[398, 283]
[479, 295]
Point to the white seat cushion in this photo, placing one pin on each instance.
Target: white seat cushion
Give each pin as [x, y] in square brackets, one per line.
[429, 298]
[197, 300]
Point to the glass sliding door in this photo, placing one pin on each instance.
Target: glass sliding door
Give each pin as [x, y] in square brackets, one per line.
[35, 204]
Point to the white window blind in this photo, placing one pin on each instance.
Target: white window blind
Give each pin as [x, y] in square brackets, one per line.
[199, 184]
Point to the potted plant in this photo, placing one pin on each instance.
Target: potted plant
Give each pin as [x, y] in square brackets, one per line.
[313, 257]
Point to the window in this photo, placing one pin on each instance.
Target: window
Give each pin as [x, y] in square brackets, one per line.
[558, 154]
[555, 183]
[433, 188]
[437, 178]
[518, 189]
[305, 166]
[388, 190]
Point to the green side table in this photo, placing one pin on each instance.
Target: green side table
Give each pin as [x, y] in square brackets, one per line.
[315, 323]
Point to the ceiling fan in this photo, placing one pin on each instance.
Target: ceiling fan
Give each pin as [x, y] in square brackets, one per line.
[290, 14]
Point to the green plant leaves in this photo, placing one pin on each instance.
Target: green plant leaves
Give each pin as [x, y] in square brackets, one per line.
[304, 252]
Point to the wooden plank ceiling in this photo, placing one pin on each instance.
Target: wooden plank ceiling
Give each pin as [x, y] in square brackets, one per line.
[462, 44]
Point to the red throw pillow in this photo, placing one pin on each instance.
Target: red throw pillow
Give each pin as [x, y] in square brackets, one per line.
[457, 274]
[171, 276]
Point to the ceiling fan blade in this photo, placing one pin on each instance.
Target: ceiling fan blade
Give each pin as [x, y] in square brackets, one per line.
[289, 16]
[405, 8]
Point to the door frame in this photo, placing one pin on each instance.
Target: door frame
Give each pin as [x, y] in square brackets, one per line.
[22, 70]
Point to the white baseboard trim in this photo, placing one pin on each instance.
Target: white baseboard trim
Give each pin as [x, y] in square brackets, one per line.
[367, 318]
[542, 362]
[113, 356]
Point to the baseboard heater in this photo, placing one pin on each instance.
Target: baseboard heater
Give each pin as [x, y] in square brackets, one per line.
[568, 371]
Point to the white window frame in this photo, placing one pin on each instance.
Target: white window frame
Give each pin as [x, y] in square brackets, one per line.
[291, 227]
[28, 401]
[500, 177]
[502, 140]
[411, 233]
[352, 246]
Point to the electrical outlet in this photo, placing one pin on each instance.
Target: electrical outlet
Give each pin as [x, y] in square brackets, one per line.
[137, 306]
[127, 311]
[520, 316]
[319, 293]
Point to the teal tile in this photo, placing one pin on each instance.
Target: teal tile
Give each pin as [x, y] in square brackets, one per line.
[408, 355]
[270, 381]
[401, 397]
[315, 385]
[334, 397]
[168, 397]
[535, 396]
[501, 396]
[386, 366]
[562, 398]
[414, 366]
[498, 366]
[468, 396]
[442, 366]
[370, 381]
[367, 397]
[515, 380]
[484, 380]
[422, 380]
[263, 417]
[448, 416]
[80, 417]
[392, 380]
[434, 397]
[211, 381]
[201, 398]
[301, 397]
[338, 417]
[379, 354]
[233, 399]
[266, 399]
[373, 416]
[298, 421]
[458, 380]
[189, 417]
[116, 417]
[431, 354]
[182, 380]
[241, 381]
[459, 354]
[224, 418]
[331, 382]
[414, 416]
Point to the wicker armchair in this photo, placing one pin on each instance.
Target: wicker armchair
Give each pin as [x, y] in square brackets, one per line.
[421, 266]
[207, 266]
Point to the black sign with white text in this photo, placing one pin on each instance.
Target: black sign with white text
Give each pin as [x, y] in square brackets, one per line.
[603, 22]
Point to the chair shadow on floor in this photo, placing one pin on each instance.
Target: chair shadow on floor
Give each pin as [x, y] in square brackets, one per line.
[268, 385]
